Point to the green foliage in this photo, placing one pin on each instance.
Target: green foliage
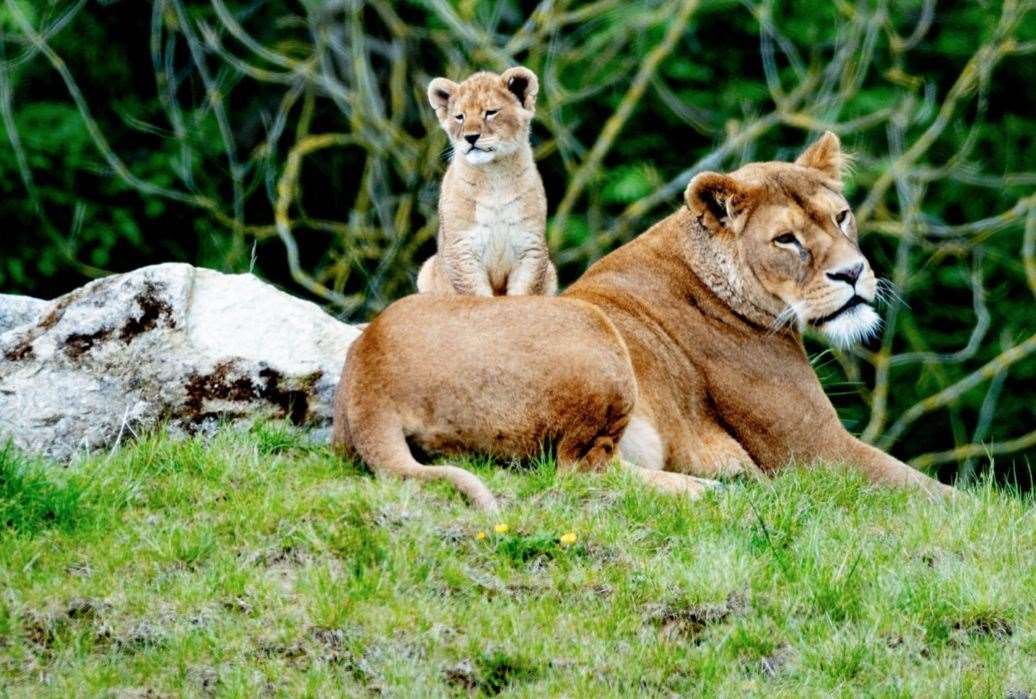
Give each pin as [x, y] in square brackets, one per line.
[207, 103]
[33, 498]
[519, 549]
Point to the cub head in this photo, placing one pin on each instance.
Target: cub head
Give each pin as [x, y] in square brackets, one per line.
[791, 242]
[488, 115]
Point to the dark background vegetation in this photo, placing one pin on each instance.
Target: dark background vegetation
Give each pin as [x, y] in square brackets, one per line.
[294, 139]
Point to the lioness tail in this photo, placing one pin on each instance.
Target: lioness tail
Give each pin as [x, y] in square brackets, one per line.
[385, 450]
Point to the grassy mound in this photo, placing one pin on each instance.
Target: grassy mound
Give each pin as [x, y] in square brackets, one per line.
[254, 563]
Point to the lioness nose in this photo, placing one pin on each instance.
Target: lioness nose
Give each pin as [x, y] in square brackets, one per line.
[471, 138]
[849, 275]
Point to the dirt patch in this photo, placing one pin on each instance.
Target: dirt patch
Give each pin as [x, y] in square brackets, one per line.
[771, 664]
[239, 605]
[294, 651]
[140, 693]
[462, 676]
[227, 383]
[490, 673]
[332, 648]
[142, 635]
[321, 645]
[294, 404]
[78, 344]
[43, 628]
[220, 385]
[86, 608]
[153, 310]
[21, 351]
[51, 319]
[689, 621]
[205, 678]
[292, 556]
[987, 626]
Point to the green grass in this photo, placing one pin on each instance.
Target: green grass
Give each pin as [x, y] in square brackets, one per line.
[254, 563]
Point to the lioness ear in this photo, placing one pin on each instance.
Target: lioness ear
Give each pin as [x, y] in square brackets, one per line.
[717, 199]
[523, 84]
[439, 92]
[825, 155]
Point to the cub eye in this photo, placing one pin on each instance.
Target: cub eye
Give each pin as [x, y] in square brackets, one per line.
[491, 113]
[458, 117]
[786, 239]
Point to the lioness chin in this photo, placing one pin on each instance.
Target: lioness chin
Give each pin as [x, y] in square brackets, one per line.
[680, 352]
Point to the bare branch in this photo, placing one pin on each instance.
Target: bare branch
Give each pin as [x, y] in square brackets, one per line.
[942, 398]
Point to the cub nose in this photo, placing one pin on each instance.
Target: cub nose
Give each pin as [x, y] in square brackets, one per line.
[471, 138]
[849, 275]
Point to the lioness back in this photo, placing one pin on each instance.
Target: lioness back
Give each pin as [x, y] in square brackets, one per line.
[460, 375]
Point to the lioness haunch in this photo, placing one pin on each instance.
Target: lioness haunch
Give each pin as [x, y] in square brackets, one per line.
[680, 351]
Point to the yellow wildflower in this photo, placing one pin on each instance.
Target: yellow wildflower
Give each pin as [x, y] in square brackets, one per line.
[480, 535]
[501, 528]
[568, 538]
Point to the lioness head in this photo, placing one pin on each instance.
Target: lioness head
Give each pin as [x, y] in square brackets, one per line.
[792, 241]
[488, 115]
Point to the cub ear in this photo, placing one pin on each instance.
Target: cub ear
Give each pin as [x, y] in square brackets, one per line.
[717, 199]
[439, 92]
[826, 156]
[523, 84]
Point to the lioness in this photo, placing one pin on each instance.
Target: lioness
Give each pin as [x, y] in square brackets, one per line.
[681, 350]
[492, 207]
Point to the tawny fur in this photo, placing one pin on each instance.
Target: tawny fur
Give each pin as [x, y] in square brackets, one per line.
[492, 206]
[679, 333]
[461, 374]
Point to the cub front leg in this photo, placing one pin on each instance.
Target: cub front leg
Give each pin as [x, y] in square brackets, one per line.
[533, 274]
[464, 269]
[432, 280]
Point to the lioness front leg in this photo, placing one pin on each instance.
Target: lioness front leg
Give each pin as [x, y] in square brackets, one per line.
[708, 452]
[715, 454]
[671, 482]
[534, 273]
[595, 444]
[880, 467]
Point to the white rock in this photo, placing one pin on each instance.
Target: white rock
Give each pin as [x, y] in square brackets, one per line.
[173, 343]
[18, 310]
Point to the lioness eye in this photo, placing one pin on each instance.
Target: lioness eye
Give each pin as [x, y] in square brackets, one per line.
[842, 216]
[491, 112]
[786, 239]
[459, 117]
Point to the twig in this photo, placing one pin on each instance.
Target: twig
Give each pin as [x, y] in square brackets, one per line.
[1000, 363]
[971, 451]
[614, 124]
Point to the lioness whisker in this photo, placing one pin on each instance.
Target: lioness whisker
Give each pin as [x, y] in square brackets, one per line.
[887, 293]
[785, 317]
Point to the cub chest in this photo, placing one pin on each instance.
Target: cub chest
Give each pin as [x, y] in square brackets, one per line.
[502, 229]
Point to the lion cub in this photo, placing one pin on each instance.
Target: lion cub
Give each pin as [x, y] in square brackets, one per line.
[492, 207]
